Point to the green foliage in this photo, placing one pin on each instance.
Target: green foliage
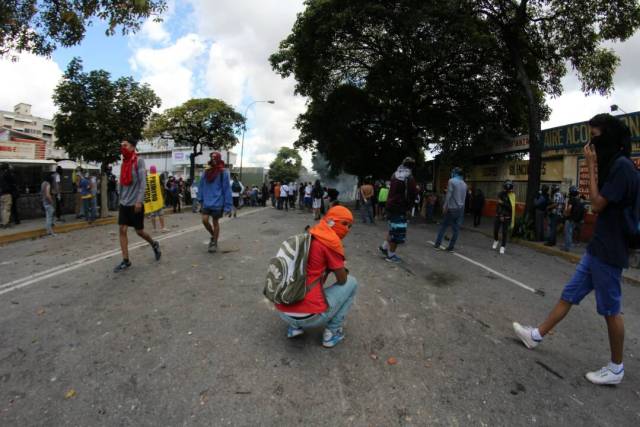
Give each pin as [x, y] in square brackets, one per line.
[286, 166]
[199, 123]
[39, 26]
[96, 113]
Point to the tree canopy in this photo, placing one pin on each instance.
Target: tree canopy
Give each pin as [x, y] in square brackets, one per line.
[96, 113]
[199, 123]
[39, 26]
[286, 166]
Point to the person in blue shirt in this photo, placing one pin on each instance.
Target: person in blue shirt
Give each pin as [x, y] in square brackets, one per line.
[214, 195]
[613, 186]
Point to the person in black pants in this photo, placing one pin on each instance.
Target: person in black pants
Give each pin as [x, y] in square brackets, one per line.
[477, 204]
[504, 214]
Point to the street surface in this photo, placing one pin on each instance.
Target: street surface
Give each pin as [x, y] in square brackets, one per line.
[190, 340]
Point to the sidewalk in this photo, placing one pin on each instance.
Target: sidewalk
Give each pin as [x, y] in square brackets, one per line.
[35, 228]
[486, 227]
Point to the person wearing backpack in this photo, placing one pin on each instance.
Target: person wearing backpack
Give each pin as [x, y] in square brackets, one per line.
[402, 193]
[613, 190]
[236, 190]
[573, 214]
[319, 305]
[214, 196]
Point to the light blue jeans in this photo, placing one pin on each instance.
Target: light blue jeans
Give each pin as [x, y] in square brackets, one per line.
[568, 234]
[454, 218]
[339, 298]
[366, 212]
[49, 211]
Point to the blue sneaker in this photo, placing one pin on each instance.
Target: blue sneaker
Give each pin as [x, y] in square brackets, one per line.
[294, 332]
[331, 338]
[395, 259]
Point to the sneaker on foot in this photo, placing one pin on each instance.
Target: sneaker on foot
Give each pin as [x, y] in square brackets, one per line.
[605, 376]
[495, 245]
[156, 250]
[122, 266]
[502, 249]
[383, 251]
[393, 258]
[213, 246]
[331, 338]
[294, 332]
[524, 333]
[449, 249]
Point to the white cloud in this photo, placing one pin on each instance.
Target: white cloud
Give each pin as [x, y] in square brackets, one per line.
[154, 31]
[169, 70]
[30, 79]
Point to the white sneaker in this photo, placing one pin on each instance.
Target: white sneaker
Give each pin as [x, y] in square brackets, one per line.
[495, 245]
[502, 249]
[524, 333]
[605, 376]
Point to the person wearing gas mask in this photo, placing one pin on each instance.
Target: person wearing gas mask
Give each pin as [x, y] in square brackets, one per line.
[613, 187]
[505, 215]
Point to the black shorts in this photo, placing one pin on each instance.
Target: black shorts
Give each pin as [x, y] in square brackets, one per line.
[215, 213]
[236, 202]
[129, 217]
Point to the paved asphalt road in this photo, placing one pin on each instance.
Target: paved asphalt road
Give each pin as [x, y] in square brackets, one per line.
[191, 341]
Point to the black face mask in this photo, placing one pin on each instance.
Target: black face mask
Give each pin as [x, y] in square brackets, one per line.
[607, 150]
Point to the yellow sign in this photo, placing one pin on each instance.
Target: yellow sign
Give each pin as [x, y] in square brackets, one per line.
[153, 200]
[515, 170]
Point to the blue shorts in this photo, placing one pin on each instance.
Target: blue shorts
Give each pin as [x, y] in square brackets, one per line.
[398, 228]
[595, 275]
[215, 213]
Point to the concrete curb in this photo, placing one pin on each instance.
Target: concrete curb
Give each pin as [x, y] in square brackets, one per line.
[64, 228]
[548, 250]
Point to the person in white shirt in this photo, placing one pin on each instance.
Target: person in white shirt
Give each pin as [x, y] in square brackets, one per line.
[236, 190]
[284, 196]
[194, 197]
[292, 195]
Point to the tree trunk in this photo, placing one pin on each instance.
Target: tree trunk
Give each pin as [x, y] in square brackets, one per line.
[104, 200]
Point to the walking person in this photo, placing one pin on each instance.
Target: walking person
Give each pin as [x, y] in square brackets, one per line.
[155, 205]
[133, 180]
[236, 190]
[556, 211]
[56, 192]
[215, 196]
[453, 208]
[477, 205]
[573, 214]
[402, 193]
[84, 188]
[366, 195]
[48, 203]
[505, 216]
[5, 195]
[324, 306]
[613, 187]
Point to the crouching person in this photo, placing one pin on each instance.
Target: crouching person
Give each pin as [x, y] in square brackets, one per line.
[319, 305]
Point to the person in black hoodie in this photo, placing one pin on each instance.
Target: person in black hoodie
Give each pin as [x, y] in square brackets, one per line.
[504, 214]
[477, 204]
[541, 202]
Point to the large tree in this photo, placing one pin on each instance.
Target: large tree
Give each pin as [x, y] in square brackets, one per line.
[403, 76]
[199, 123]
[286, 166]
[535, 39]
[96, 113]
[39, 26]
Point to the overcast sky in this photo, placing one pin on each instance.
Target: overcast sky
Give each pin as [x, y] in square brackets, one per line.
[220, 49]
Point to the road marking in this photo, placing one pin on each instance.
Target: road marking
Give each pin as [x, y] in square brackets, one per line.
[74, 265]
[497, 273]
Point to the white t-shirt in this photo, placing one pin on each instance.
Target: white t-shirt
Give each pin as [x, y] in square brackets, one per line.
[292, 189]
[284, 190]
[307, 191]
[194, 191]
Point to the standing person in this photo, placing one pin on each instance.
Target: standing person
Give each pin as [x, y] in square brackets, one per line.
[556, 211]
[541, 202]
[417, 203]
[431, 206]
[56, 192]
[477, 205]
[264, 195]
[317, 194]
[75, 182]
[613, 187]
[215, 196]
[574, 214]
[112, 191]
[301, 188]
[236, 190]
[133, 179]
[308, 200]
[453, 208]
[383, 195]
[292, 195]
[158, 213]
[276, 192]
[401, 195]
[47, 203]
[272, 194]
[84, 187]
[324, 306]
[284, 197]
[505, 215]
[94, 195]
[5, 195]
[366, 195]
[194, 197]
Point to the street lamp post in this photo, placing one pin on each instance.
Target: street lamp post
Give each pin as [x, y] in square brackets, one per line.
[244, 128]
[615, 107]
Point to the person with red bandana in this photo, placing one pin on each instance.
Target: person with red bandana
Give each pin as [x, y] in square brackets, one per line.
[214, 195]
[133, 179]
[324, 306]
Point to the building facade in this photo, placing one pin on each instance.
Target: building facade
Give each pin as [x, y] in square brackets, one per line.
[21, 120]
